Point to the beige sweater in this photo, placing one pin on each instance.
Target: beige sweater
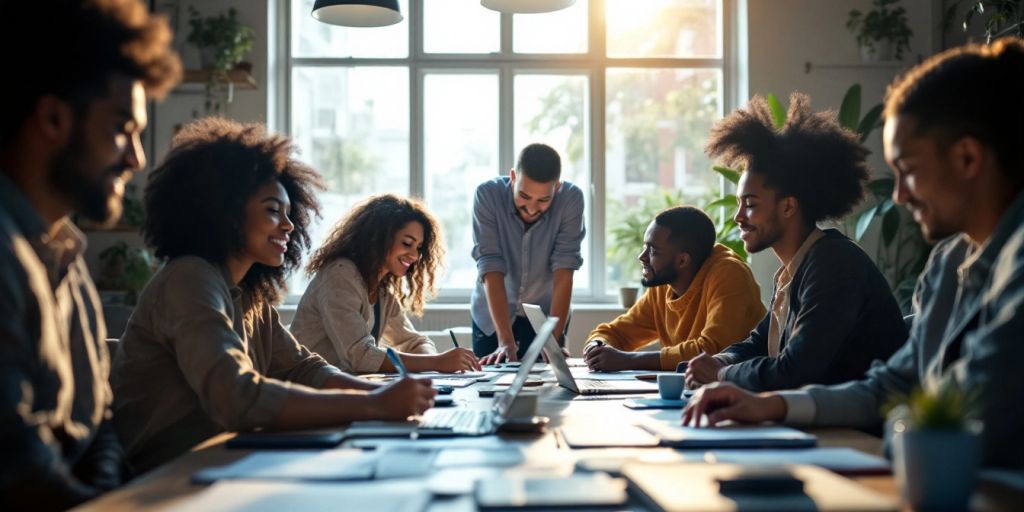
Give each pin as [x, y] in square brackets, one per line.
[335, 320]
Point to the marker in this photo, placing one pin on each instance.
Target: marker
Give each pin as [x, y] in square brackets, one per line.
[395, 360]
[454, 340]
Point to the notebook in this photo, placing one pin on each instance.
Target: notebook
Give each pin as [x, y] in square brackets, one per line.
[564, 376]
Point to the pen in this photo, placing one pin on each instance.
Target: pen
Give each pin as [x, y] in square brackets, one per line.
[454, 340]
[395, 360]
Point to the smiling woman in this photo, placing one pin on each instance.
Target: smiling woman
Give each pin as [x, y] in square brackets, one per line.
[380, 260]
[205, 350]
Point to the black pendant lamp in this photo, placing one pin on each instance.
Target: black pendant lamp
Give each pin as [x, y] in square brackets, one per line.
[357, 13]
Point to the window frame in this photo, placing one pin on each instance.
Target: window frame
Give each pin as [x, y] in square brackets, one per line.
[593, 65]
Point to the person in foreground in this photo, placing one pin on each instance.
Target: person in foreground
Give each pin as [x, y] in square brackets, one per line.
[702, 298]
[527, 232]
[832, 311]
[73, 117]
[952, 137]
[204, 350]
[382, 257]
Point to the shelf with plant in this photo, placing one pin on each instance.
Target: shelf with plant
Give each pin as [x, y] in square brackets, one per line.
[222, 41]
[882, 32]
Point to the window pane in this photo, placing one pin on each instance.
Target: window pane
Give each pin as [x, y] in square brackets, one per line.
[312, 38]
[553, 109]
[460, 26]
[563, 31]
[461, 151]
[656, 122]
[664, 28]
[351, 125]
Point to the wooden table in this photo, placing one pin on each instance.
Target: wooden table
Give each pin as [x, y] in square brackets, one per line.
[169, 485]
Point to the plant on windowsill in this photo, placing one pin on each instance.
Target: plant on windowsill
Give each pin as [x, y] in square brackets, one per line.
[1002, 17]
[222, 41]
[936, 446]
[881, 31]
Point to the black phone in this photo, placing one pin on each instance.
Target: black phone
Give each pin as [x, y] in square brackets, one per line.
[444, 401]
[444, 390]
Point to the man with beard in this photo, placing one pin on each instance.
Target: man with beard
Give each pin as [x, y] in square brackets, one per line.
[702, 298]
[832, 312]
[527, 231]
[69, 140]
[952, 137]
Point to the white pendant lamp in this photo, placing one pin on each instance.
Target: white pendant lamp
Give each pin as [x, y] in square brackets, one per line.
[526, 6]
[357, 13]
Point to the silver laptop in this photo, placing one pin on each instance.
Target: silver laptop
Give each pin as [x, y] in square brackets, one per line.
[564, 376]
[476, 422]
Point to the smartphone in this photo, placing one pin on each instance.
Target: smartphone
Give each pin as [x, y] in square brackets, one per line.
[444, 390]
[444, 401]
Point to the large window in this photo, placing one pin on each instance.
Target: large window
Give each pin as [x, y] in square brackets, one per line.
[435, 105]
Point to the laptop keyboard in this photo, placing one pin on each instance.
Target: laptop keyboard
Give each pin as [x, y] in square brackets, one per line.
[458, 420]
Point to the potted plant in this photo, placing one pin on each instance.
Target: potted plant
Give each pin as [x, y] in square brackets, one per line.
[881, 31]
[222, 41]
[1001, 17]
[125, 269]
[936, 448]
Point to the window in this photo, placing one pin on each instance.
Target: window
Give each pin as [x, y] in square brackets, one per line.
[444, 100]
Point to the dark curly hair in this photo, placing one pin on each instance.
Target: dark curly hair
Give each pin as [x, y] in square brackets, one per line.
[195, 201]
[975, 90]
[811, 158]
[77, 45]
[366, 234]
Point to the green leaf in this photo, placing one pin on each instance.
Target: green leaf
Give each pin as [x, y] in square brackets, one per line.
[869, 123]
[731, 175]
[737, 247]
[727, 201]
[864, 221]
[849, 112]
[890, 225]
[778, 113]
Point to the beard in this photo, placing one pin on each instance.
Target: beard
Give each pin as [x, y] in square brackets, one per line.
[87, 192]
[660, 277]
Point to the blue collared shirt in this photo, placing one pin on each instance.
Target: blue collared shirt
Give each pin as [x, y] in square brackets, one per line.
[527, 257]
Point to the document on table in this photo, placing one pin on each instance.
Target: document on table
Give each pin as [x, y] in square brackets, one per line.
[845, 461]
[739, 436]
[327, 465]
[251, 496]
[585, 374]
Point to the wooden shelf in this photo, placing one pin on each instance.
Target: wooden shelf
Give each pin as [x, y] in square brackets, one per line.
[239, 78]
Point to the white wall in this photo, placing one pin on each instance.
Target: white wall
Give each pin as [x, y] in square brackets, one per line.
[786, 34]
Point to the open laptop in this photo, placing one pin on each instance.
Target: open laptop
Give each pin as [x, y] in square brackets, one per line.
[463, 421]
[564, 376]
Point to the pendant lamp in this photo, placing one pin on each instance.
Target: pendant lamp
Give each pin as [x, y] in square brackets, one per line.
[357, 13]
[526, 6]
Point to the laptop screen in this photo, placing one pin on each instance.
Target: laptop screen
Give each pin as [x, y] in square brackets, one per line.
[503, 402]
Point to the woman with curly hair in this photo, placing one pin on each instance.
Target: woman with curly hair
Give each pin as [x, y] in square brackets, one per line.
[204, 350]
[381, 259]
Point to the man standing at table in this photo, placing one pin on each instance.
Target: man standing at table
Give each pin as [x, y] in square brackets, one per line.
[527, 231]
[74, 110]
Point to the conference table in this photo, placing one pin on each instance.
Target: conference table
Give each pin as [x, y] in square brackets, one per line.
[170, 487]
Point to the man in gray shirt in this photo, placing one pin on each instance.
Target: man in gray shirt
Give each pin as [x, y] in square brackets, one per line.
[952, 136]
[69, 140]
[527, 231]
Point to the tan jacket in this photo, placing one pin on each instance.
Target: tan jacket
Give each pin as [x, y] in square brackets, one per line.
[335, 320]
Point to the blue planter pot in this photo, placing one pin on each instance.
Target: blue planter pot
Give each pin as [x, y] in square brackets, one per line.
[936, 469]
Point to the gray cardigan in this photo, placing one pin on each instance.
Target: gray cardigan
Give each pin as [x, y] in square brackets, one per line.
[842, 316]
[967, 330]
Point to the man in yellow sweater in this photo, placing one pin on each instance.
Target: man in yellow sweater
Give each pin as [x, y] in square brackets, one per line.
[701, 298]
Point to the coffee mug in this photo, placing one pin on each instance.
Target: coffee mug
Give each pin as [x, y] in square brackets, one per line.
[670, 385]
